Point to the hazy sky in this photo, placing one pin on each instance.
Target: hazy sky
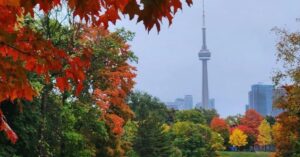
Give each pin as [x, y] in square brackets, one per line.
[239, 38]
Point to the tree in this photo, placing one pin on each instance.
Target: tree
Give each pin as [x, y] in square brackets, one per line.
[72, 129]
[58, 132]
[190, 115]
[129, 137]
[238, 138]
[192, 139]
[234, 121]
[220, 126]
[251, 120]
[208, 114]
[265, 136]
[286, 130]
[144, 105]
[25, 50]
[151, 116]
[151, 140]
[217, 142]
[270, 119]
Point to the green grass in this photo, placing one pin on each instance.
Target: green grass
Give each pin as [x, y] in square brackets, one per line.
[244, 154]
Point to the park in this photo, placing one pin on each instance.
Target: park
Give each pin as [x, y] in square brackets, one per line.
[83, 78]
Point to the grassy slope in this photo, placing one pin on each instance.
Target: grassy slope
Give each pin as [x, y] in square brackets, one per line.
[244, 154]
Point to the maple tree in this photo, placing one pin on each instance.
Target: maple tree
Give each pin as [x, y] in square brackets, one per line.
[24, 50]
[238, 138]
[250, 123]
[219, 125]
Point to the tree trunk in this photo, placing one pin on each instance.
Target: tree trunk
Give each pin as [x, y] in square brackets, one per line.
[42, 142]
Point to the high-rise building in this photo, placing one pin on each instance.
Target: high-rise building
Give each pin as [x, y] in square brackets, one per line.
[247, 107]
[188, 102]
[262, 98]
[204, 56]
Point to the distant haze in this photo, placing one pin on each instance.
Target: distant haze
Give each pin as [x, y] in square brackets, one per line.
[239, 38]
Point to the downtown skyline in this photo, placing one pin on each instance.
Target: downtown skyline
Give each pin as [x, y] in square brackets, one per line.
[240, 38]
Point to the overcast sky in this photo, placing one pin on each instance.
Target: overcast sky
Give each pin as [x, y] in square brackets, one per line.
[239, 38]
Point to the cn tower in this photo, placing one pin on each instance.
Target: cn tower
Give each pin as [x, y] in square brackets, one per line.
[204, 56]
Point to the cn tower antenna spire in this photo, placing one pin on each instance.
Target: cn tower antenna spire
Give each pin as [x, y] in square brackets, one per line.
[203, 5]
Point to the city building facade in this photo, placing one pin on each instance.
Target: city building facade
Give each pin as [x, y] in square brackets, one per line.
[185, 103]
[262, 98]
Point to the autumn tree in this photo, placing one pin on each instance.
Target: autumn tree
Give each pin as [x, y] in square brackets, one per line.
[251, 121]
[108, 48]
[286, 130]
[220, 126]
[238, 138]
[265, 134]
[24, 50]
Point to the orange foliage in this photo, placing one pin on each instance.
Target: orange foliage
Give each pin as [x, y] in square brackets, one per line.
[117, 77]
[23, 50]
[250, 122]
[219, 125]
[286, 129]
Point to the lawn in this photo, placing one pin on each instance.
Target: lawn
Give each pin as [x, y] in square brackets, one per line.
[244, 154]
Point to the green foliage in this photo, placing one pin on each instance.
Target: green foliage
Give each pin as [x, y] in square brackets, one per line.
[176, 152]
[217, 142]
[234, 120]
[144, 105]
[72, 129]
[151, 140]
[25, 124]
[271, 120]
[209, 115]
[192, 139]
[129, 137]
[194, 116]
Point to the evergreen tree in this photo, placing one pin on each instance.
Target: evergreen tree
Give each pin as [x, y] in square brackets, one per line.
[151, 141]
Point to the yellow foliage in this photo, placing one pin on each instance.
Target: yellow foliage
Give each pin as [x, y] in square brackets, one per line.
[238, 138]
[265, 134]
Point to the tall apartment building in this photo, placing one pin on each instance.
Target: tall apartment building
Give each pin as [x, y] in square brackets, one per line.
[262, 98]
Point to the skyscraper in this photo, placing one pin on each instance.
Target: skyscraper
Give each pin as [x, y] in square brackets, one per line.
[261, 98]
[204, 56]
[188, 102]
